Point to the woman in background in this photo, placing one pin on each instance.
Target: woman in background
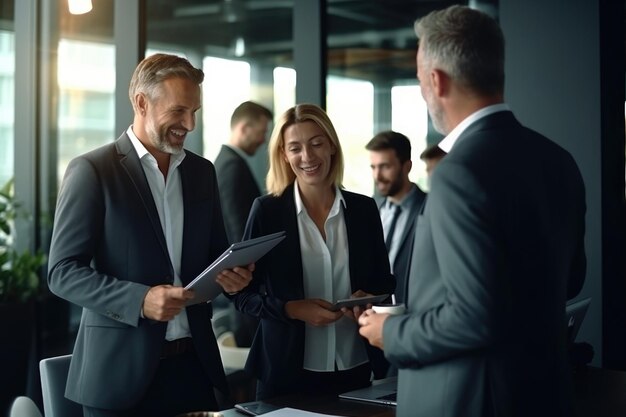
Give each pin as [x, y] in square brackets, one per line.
[334, 249]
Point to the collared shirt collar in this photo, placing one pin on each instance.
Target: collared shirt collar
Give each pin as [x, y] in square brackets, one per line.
[300, 205]
[448, 142]
[175, 159]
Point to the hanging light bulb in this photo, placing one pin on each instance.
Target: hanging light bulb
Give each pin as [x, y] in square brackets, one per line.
[79, 6]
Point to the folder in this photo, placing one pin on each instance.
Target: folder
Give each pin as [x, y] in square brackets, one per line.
[238, 254]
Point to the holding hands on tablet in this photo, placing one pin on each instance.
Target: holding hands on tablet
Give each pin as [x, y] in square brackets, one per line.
[164, 302]
[318, 312]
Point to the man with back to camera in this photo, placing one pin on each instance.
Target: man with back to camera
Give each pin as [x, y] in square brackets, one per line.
[238, 187]
[499, 248]
[390, 160]
[136, 220]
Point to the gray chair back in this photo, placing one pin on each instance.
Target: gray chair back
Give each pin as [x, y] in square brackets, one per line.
[24, 407]
[53, 380]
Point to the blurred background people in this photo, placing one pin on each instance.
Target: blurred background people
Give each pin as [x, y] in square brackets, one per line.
[238, 187]
[390, 160]
[431, 157]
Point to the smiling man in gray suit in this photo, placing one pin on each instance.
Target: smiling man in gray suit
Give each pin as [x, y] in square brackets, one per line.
[136, 220]
[498, 250]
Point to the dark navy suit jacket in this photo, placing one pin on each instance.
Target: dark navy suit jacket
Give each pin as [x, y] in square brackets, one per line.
[277, 352]
[497, 251]
[403, 257]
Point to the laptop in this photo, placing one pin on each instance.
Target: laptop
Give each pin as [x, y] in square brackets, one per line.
[575, 313]
[380, 392]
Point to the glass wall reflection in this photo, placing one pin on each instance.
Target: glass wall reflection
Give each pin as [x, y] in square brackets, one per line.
[84, 101]
[245, 49]
[371, 55]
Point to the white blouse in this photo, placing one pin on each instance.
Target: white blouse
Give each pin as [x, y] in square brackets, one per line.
[326, 275]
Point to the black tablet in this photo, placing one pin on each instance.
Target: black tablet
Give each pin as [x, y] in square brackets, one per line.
[358, 301]
[255, 408]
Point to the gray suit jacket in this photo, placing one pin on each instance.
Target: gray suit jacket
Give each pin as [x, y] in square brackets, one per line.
[498, 250]
[108, 249]
[403, 258]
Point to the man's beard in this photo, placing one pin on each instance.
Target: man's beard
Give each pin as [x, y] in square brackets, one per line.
[161, 143]
[394, 188]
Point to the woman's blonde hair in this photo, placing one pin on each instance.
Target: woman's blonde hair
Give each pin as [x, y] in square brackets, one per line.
[280, 174]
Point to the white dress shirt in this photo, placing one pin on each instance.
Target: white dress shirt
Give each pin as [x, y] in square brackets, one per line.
[448, 142]
[168, 198]
[326, 275]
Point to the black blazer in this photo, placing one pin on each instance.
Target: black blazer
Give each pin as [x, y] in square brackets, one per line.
[277, 351]
[497, 251]
[238, 189]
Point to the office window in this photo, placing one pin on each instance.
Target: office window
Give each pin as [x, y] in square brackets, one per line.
[350, 106]
[226, 85]
[284, 89]
[238, 44]
[409, 115]
[373, 43]
[7, 88]
[86, 77]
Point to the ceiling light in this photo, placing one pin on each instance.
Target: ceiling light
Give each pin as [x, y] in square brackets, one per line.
[79, 6]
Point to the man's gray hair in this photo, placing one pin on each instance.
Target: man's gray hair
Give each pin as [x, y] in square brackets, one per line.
[466, 44]
[155, 69]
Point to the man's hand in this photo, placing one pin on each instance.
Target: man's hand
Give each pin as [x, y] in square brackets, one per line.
[164, 302]
[313, 311]
[236, 279]
[372, 327]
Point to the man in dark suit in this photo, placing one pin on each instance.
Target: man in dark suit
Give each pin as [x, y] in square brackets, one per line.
[136, 220]
[390, 160]
[238, 187]
[498, 250]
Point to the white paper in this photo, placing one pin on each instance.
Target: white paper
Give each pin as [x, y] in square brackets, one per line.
[293, 412]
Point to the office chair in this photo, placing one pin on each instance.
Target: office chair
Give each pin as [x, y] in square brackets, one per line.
[53, 379]
[24, 407]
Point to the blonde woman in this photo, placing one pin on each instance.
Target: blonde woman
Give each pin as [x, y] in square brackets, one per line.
[334, 249]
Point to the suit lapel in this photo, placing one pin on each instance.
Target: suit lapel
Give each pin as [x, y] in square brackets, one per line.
[131, 163]
[348, 216]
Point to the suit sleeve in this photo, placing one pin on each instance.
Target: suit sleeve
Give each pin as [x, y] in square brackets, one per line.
[579, 263]
[466, 252]
[77, 231]
[254, 299]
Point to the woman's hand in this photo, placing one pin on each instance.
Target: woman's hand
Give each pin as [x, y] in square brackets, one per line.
[313, 311]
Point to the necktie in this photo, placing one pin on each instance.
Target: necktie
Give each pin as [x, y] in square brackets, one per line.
[392, 226]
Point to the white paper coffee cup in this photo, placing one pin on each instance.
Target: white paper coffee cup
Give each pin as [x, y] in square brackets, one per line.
[389, 308]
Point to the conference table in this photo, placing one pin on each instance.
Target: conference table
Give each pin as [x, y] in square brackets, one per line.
[597, 393]
[327, 404]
